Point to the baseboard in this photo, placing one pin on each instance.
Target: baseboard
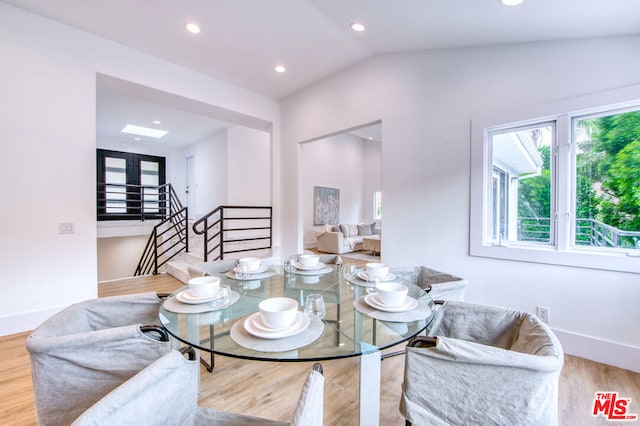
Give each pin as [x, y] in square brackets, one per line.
[600, 350]
[26, 321]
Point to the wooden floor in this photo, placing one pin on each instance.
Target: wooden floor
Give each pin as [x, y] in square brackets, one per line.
[270, 389]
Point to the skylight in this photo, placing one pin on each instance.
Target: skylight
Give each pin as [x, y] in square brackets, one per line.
[144, 131]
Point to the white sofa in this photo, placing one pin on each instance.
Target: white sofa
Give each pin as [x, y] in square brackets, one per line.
[343, 238]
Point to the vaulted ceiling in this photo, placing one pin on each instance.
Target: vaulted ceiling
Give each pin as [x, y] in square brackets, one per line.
[241, 41]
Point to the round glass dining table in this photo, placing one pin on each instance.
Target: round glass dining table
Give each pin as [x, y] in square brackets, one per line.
[347, 329]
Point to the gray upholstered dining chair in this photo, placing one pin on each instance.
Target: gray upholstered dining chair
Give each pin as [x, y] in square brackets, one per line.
[482, 365]
[211, 268]
[330, 259]
[166, 393]
[441, 286]
[90, 348]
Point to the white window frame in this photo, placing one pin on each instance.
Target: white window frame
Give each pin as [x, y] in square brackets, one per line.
[561, 251]
[375, 205]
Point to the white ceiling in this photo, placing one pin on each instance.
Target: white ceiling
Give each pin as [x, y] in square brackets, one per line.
[114, 111]
[242, 40]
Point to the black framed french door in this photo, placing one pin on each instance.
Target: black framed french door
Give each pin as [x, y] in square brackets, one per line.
[129, 185]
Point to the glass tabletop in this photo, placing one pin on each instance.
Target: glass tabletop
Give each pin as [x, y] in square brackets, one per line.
[347, 331]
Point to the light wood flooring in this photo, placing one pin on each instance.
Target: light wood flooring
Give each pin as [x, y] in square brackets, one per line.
[270, 389]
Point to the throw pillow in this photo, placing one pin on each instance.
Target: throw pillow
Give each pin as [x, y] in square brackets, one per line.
[335, 228]
[364, 230]
[345, 230]
[353, 230]
[373, 228]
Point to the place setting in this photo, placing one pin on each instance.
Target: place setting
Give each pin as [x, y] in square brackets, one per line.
[390, 302]
[250, 269]
[280, 326]
[373, 273]
[306, 264]
[204, 294]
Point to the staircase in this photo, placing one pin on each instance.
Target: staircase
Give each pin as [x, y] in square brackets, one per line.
[175, 242]
[223, 233]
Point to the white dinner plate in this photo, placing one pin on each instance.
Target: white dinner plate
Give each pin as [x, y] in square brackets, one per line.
[261, 269]
[363, 275]
[260, 325]
[373, 301]
[300, 266]
[185, 296]
[299, 325]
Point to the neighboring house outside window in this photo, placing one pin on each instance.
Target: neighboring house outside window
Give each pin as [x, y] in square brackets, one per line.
[560, 184]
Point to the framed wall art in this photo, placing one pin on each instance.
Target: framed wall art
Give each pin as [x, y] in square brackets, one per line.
[326, 205]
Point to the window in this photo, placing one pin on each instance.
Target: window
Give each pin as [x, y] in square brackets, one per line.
[377, 205]
[129, 185]
[521, 187]
[607, 197]
[560, 185]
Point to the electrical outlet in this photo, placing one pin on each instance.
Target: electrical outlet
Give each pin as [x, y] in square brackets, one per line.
[66, 228]
[543, 313]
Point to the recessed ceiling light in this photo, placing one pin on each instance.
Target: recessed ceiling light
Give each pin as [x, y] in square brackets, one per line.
[143, 131]
[136, 138]
[157, 122]
[356, 26]
[511, 2]
[280, 68]
[192, 27]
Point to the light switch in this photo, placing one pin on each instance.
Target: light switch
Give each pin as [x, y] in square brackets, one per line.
[66, 228]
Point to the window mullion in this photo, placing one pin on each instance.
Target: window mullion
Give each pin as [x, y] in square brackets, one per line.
[563, 176]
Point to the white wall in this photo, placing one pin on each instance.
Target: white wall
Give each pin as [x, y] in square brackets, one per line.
[372, 179]
[210, 172]
[339, 162]
[119, 256]
[425, 102]
[249, 171]
[47, 154]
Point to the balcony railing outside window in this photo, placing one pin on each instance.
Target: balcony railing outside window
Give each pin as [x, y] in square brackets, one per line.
[589, 232]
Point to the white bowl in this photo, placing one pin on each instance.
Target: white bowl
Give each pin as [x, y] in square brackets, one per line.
[204, 286]
[253, 263]
[309, 260]
[392, 294]
[278, 312]
[312, 279]
[377, 270]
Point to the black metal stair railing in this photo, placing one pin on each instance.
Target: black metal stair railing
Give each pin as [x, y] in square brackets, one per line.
[136, 202]
[235, 229]
[167, 239]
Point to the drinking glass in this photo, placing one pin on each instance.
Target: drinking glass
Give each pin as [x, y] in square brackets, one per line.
[290, 264]
[372, 284]
[224, 297]
[314, 307]
[348, 269]
[242, 271]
